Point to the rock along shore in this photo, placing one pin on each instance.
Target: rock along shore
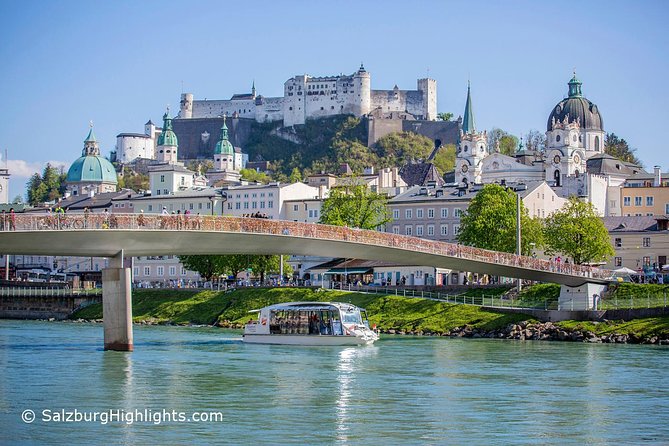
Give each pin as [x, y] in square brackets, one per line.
[522, 331]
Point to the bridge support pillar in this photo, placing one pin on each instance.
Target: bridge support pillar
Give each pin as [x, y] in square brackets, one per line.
[117, 305]
[584, 297]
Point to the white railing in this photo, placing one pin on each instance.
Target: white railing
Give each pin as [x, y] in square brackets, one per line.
[183, 222]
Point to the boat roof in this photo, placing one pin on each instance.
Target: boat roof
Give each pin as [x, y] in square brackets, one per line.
[310, 306]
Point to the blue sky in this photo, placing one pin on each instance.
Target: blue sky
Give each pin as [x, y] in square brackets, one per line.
[120, 63]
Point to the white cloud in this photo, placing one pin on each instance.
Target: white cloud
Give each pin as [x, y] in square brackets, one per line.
[25, 169]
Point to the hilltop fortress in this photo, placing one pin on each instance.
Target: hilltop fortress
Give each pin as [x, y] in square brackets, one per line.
[306, 97]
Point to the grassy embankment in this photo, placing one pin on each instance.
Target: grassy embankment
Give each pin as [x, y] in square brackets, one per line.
[387, 311]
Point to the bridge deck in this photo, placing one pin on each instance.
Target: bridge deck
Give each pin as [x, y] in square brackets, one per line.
[141, 235]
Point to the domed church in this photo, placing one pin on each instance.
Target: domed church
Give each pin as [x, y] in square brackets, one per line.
[574, 134]
[91, 173]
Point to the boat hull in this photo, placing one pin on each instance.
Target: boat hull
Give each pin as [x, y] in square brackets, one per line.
[286, 339]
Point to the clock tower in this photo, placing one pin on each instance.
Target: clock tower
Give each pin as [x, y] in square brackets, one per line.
[472, 148]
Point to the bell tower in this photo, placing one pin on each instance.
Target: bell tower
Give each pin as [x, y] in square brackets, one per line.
[472, 147]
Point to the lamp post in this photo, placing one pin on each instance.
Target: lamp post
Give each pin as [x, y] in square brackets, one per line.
[518, 248]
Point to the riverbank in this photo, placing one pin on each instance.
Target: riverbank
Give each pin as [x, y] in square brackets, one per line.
[391, 314]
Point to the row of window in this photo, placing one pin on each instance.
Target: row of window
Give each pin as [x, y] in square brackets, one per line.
[618, 261]
[254, 195]
[253, 205]
[638, 201]
[618, 242]
[421, 230]
[160, 271]
[182, 206]
[408, 213]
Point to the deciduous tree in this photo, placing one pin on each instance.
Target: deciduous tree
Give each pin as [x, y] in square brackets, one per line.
[490, 222]
[355, 206]
[577, 231]
[619, 148]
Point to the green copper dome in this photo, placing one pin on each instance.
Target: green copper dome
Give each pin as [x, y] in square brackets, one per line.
[223, 146]
[167, 137]
[91, 167]
[576, 108]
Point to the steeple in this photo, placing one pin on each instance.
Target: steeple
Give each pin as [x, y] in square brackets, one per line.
[575, 87]
[253, 91]
[223, 146]
[468, 125]
[91, 146]
[167, 137]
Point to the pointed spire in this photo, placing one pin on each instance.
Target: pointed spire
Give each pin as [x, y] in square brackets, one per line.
[253, 90]
[468, 125]
[224, 129]
[91, 135]
[575, 86]
[91, 146]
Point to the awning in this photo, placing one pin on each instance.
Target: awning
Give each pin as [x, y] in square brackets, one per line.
[348, 271]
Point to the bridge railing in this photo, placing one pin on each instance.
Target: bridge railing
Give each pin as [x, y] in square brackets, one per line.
[191, 222]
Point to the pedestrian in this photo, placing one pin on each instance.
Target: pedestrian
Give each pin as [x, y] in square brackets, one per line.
[12, 220]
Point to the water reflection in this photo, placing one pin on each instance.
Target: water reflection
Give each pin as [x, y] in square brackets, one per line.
[347, 369]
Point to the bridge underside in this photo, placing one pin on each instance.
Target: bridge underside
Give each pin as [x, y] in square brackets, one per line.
[108, 243]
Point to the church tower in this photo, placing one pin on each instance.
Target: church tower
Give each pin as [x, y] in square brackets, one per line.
[167, 146]
[224, 153]
[472, 147]
[575, 133]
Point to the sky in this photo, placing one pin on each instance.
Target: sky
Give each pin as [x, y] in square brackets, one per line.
[121, 63]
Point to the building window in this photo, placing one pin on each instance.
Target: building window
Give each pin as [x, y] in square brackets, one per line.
[649, 201]
[270, 204]
[456, 229]
[296, 207]
[430, 230]
[646, 242]
[666, 208]
[147, 270]
[183, 271]
[135, 271]
[408, 214]
[238, 205]
[162, 178]
[161, 271]
[150, 207]
[430, 213]
[444, 229]
[618, 242]
[173, 270]
[419, 213]
[246, 205]
[419, 231]
[408, 230]
[444, 212]
[457, 212]
[619, 261]
[646, 261]
[396, 229]
[637, 201]
[627, 201]
[396, 213]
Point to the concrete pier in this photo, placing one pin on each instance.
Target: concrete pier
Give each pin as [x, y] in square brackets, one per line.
[117, 306]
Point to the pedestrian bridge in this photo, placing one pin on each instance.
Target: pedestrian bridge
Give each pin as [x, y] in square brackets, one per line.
[125, 235]
[148, 235]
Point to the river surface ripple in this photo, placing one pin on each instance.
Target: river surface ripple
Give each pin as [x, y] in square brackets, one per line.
[408, 390]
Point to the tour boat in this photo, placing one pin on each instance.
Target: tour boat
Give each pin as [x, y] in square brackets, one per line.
[310, 323]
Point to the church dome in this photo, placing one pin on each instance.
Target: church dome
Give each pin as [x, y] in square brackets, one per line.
[167, 137]
[223, 146]
[91, 167]
[577, 108]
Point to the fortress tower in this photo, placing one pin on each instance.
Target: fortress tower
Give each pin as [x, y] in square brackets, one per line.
[428, 88]
[362, 104]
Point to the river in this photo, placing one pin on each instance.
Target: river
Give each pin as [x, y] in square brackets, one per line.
[402, 390]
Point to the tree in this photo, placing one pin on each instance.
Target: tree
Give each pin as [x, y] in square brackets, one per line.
[445, 116]
[507, 142]
[577, 231]
[535, 140]
[253, 175]
[133, 180]
[207, 266]
[444, 161]
[400, 148]
[355, 206]
[295, 175]
[490, 222]
[46, 187]
[267, 264]
[619, 148]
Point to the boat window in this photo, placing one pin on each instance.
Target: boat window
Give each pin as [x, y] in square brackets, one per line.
[351, 318]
